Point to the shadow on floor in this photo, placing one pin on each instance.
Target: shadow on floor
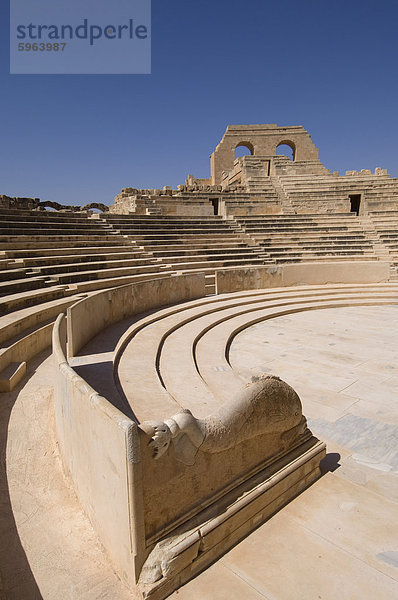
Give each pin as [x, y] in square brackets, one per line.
[330, 463]
[99, 374]
[16, 578]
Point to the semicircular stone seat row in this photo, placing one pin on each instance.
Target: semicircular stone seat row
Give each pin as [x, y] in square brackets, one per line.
[178, 357]
[168, 371]
[49, 259]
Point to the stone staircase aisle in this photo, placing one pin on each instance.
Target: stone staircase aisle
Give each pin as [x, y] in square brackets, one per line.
[383, 229]
[287, 207]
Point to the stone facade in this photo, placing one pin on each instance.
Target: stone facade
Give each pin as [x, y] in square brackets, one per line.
[264, 182]
[261, 140]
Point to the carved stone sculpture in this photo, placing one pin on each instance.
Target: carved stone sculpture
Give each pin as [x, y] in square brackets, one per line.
[262, 432]
[267, 405]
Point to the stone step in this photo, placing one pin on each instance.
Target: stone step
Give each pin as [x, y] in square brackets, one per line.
[11, 246]
[16, 325]
[323, 216]
[12, 375]
[320, 233]
[316, 239]
[386, 228]
[198, 264]
[210, 288]
[155, 345]
[294, 241]
[72, 232]
[288, 221]
[111, 218]
[11, 273]
[375, 213]
[21, 285]
[389, 226]
[334, 251]
[294, 238]
[45, 216]
[303, 229]
[155, 223]
[98, 265]
[56, 253]
[44, 261]
[43, 238]
[214, 254]
[341, 257]
[194, 245]
[99, 284]
[173, 231]
[81, 276]
[318, 247]
[30, 298]
[300, 219]
[84, 224]
[144, 240]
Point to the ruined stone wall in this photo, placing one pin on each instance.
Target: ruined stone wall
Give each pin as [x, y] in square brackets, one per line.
[265, 182]
[261, 140]
[18, 203]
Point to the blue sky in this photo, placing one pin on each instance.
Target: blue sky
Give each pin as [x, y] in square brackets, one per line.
[330, 66]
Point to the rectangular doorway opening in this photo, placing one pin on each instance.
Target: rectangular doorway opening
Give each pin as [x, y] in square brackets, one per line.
[215, 203]
[355, 202]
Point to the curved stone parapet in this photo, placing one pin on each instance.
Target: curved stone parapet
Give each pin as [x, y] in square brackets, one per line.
[205, 458]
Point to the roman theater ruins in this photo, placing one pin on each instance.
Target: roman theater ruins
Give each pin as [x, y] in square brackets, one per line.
[198, 385]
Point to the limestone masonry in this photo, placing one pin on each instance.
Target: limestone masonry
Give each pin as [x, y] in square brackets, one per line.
[264, 182]
[163, 399]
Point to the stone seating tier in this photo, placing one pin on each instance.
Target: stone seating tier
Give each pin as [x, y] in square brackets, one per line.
[17, 301]
[297, 238]
[167, 238]
[328, 192]
[64, 248]
[227, 250]
[20, 285]
[156, 360]
[48, 257]
[88, 255]
[186, 334]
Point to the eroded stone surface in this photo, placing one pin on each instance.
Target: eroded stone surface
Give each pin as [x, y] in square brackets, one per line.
[265, 405]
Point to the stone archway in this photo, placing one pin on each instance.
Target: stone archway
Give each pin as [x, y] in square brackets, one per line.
[241, 147]
[264, 139]
[96, 205]
[284, 146]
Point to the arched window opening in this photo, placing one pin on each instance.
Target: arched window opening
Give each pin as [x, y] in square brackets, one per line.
[244, 149]
[286, 149]
[96, 207]
[50, 205]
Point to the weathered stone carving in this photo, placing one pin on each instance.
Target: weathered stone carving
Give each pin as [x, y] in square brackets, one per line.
[267, 405]
[266, 418]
